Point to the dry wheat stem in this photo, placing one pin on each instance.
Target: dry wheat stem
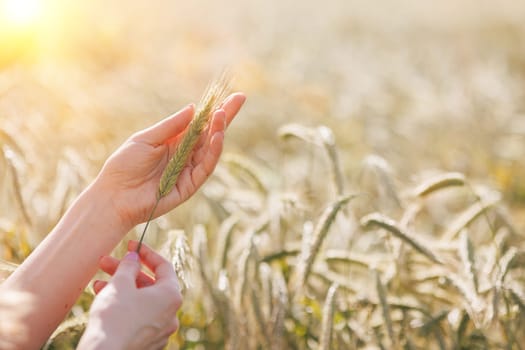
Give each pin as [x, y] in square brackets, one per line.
[17, 187]
[468, 216]
[327, 323]
[466, 252]
[214, 94]
[181, 258]
[381, 293]
[439, 182]
[7, 266]
[343, 256]
[280, 302]
[259, 317]
[323, 137]
[327, 138]
[246, 167]
[376, 219]
[225, 239]
[330, 277]
[320, 233]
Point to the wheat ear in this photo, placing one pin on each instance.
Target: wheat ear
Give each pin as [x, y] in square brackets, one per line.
[439, 182]
[376, 219]
[214, 94]
[311, 250]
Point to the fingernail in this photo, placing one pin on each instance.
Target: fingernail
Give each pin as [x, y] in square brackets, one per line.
[132, 256]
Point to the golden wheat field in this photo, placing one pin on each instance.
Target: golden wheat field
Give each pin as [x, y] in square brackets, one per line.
[371, 193]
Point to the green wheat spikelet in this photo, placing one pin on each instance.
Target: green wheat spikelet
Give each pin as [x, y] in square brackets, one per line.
[209, 102]
[214, 95]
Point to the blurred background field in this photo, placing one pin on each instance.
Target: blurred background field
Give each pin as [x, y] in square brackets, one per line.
[406, 90]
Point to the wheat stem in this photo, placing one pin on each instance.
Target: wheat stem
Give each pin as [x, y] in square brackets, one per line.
[313, 247]
[327, 324]
[147, 224]
[376, 219]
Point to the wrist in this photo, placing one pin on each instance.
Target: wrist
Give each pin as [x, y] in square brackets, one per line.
[103, 196]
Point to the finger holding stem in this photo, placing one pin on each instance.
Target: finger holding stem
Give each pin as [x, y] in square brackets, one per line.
[147, 224]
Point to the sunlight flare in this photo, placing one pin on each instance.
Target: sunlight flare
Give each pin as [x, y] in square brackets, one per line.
[22, 12]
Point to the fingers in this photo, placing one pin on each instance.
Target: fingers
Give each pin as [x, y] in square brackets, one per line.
[167, 128]
[175, 124]
[206, 166]
[109, 265]
[127, 271]
[210, 146]
[218, 123]
[162, 268]
[98, 285]
[206, 158]
[232, 104]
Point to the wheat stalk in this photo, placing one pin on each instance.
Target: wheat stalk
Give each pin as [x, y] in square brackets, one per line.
[376, 219]
[247, 169]
[327, 138]
[225, 234]
[323, 137]
[382, 174]
[243, 266]
[469, 215]
[214, 94]
[343, 256]
[15, 178]
[505, 264]
[8, 267]
[330, 277]
[438, 182]
[325, 343]
[467, 255]
[259, 316]
[182, 259]
[313, 246]
[385, 308]
[280, 302]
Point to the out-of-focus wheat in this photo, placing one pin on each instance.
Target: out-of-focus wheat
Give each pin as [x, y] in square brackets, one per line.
[313, 247]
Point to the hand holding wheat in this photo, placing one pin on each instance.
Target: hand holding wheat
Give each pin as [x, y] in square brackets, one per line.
[208, 104]
[134, 176]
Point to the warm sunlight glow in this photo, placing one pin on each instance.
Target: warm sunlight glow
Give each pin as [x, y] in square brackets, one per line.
[22, 12]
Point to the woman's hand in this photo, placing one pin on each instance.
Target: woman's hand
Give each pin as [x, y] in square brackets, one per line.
[131, 175]
[134, 310]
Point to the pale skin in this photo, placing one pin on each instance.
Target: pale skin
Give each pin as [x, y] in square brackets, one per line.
[117, 320]
[118, 199]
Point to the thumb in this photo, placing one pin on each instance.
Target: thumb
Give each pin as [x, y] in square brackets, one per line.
[128, 269]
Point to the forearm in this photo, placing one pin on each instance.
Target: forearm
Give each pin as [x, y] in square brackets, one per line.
[61, 266]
